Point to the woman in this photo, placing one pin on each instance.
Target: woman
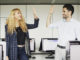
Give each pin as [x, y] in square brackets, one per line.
[16, 33]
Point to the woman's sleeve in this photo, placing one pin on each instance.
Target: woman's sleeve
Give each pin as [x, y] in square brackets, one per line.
[7, 41]
[35, 25]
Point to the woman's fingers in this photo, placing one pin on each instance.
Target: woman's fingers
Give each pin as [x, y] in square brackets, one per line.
[34, 12]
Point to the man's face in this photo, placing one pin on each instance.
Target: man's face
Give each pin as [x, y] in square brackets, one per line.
[66, 13]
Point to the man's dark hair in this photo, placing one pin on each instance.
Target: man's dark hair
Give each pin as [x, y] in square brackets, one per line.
[69, 7]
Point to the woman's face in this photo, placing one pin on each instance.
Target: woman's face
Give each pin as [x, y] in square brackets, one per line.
[18, 15]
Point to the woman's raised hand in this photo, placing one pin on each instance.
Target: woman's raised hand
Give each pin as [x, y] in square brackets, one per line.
[34, 13]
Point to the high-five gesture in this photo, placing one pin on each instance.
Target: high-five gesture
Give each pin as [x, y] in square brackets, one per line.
[34, 13]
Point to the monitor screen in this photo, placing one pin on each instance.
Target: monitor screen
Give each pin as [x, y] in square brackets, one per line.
[49, 44]
[1, 52]
[32, 45]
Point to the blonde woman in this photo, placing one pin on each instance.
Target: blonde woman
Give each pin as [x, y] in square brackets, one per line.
[16, 32]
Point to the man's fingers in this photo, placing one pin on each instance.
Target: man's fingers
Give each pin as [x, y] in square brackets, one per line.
[51, 9]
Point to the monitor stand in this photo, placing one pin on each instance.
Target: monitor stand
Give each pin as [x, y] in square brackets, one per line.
[50, 56]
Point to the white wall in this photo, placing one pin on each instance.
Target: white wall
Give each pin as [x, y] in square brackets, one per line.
[5, 9]
[42, 12]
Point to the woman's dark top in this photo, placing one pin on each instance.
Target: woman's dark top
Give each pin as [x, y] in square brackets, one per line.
[20, 36]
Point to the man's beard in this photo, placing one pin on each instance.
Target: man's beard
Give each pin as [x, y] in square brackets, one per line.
[64, 17]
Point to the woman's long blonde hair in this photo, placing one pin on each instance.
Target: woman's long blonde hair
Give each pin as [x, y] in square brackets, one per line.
[11, 22]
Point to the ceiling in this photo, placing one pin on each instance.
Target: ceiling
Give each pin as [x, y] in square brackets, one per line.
[2, 2]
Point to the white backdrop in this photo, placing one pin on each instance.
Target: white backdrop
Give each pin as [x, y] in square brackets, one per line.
[42, 12]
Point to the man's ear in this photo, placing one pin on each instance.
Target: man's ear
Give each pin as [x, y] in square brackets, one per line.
[70, 12]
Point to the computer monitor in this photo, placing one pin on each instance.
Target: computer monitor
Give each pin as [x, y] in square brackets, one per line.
[32, 44]
[1, 52]
[49, 44]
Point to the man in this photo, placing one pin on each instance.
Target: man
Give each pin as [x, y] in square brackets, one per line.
[68, 29]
